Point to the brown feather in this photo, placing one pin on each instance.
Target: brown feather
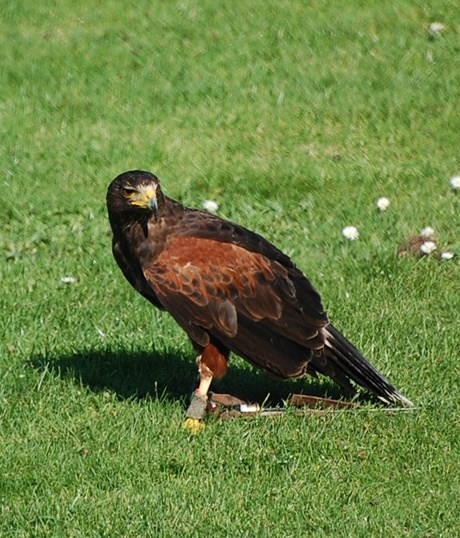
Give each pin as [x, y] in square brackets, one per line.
[215, 359]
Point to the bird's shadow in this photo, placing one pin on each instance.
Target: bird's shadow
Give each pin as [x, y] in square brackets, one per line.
[172, 376]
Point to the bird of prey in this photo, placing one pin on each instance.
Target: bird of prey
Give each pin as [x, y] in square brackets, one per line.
[231, 291]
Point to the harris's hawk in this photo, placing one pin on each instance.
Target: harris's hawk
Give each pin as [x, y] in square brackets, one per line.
[230, 290]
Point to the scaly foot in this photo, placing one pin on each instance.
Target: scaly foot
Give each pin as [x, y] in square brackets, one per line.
[194, 425]
[196, 412]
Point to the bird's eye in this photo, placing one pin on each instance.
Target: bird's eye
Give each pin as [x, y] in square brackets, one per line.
[128, 192]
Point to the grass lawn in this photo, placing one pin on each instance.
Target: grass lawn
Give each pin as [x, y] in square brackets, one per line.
[295, 117]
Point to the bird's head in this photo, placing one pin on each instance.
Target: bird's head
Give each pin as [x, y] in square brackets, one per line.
[133, 192]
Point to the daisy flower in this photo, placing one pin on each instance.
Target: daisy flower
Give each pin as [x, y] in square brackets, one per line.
[428, 247]
[447, 255]
[427, 232]
[383, 203]
[210, 206]
[436, 27]
[455, 182]
[350, 232]
[68, 279]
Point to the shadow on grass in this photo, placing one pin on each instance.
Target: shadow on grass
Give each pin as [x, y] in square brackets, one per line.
[172, 376]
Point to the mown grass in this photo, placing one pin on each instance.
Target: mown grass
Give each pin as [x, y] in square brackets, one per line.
[295, 118]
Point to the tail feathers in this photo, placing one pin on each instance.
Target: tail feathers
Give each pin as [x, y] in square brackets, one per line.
[347, 362]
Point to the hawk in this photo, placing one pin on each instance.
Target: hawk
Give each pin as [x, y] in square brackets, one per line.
[231, 291]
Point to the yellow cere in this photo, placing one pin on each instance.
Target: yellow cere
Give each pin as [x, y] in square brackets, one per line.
[143, 196]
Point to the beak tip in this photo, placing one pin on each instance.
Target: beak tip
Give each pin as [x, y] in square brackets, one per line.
[153, 205]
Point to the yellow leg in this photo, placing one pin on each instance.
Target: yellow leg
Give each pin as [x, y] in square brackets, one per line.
[197, 408]
[205, 379]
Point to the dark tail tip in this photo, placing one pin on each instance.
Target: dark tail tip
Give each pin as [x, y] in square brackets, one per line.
[354, 366]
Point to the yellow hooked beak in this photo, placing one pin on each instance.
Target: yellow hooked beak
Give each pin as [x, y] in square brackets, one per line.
[145, 197]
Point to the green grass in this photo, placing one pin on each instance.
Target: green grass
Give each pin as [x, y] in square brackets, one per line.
[295, 117]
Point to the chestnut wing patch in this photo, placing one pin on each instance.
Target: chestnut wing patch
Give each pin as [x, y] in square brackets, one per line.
[212, 283]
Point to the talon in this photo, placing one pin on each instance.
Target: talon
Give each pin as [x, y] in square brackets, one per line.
[194, 425]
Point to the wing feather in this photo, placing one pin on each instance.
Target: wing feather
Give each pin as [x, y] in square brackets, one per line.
[241, 297]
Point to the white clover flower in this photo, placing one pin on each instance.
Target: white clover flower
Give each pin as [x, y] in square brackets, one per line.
[428, 247]
[436, 27]
[350, 232]
[383, 203]
[68, 279]
[210, 206]
[447, 255]
[427, 232]
[455, 182]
